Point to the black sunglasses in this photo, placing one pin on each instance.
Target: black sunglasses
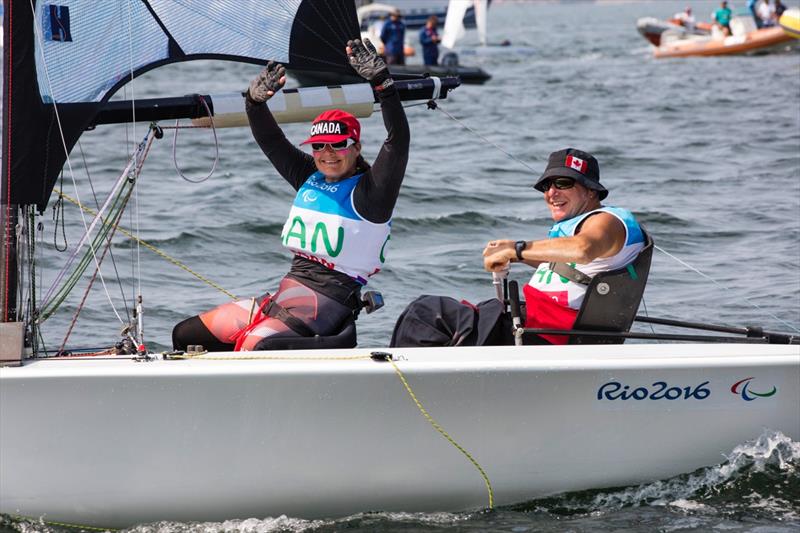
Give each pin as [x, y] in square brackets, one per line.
[559, 183]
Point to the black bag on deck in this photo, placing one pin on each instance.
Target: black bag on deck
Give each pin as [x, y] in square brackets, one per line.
[443, 321]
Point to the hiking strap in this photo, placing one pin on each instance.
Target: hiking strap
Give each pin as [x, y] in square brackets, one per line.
[276, 310]
[571, 273]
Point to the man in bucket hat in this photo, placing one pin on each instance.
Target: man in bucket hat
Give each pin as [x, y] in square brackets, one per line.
[338, 226]
[587, 238]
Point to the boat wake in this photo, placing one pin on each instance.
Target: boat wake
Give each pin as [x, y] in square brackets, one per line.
[759, 478]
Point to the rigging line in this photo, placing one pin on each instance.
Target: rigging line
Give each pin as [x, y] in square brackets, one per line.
[136, 211]
[119, 199]
[125, 179]
[110, 251]
[330, 45]
[152, 248]
[58, 220]
[37, 331]
[647, 313]
[216, 148]
[466, 127]
[722, 286]
[343, 34]
[78, 310]
[40, 38]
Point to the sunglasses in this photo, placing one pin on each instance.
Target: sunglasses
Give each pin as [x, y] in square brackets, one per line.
[341, 146]
[558, 183]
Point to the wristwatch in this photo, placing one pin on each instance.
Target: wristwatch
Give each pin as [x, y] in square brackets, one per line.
[519, 246]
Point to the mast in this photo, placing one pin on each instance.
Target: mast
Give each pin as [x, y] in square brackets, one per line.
[8, 211]
[12, 331]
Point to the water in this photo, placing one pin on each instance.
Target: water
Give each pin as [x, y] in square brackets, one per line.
[705, 151]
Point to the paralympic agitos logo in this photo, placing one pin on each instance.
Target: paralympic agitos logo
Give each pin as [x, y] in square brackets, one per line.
[742, 388]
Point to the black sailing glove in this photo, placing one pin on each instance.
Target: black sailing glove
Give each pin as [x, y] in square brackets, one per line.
[267, 83]
[365, 60]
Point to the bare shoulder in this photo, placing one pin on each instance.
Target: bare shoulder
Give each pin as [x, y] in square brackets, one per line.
[602, 221]
[606, 231]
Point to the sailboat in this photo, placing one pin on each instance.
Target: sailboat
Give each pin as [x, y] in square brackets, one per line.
[455, 30]
[120, 439]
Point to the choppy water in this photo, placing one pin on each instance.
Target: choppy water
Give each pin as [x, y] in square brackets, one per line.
[706, 151]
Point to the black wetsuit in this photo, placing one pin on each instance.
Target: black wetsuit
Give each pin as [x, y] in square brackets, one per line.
[374, 196]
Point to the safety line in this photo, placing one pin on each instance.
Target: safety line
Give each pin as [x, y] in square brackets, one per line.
[718, 284]
[149, 246]
[444, 433]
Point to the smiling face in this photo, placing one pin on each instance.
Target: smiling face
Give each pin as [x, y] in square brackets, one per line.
[567, 203]
[337, 165]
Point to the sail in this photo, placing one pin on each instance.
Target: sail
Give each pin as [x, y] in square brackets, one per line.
[454, 23]
[71, 56]
[481, 15]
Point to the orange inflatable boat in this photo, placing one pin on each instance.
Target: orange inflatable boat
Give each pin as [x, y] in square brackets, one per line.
[745, 39]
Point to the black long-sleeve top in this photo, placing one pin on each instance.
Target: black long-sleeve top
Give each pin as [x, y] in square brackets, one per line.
[374, 196]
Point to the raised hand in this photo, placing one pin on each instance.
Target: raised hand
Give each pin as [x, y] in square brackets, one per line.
[365, 60]
[267, 83]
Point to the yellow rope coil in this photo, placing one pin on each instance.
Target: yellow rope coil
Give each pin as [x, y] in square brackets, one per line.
[150, 247]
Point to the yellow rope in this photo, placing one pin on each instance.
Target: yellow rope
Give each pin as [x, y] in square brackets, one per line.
[204, 356]
[444, 434]
[150, 247]
[428, 417]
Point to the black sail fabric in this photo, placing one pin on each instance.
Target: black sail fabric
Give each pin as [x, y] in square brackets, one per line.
[62, 62]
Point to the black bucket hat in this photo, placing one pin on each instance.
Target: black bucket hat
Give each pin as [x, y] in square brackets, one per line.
[576, 164]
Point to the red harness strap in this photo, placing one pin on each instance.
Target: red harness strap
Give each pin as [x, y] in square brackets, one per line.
[258, 317]
[543, 311]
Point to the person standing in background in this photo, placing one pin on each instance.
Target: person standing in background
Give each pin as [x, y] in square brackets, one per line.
[393, 36]
[779, 9]
[751, 6]
[766, 12]
[722, 17]
[429, 39]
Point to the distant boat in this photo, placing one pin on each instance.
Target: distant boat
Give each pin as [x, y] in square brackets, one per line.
[415, 12]
[455, 29]
[651, 28]
[745, 39]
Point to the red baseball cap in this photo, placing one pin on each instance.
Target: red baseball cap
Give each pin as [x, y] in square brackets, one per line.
[334, 126]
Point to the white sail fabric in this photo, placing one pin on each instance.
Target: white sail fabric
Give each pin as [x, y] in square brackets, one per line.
[88, 46]
[481, 8]
[454, 23]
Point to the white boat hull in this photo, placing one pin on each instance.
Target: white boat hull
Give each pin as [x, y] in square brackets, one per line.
[116, 442]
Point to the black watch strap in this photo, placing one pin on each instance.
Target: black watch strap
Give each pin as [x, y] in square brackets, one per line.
[519, 246]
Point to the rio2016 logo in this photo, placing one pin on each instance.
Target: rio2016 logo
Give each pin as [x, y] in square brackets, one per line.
[742, 388]
[660, 390]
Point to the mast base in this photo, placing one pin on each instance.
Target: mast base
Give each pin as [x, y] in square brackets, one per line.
[12, 335]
